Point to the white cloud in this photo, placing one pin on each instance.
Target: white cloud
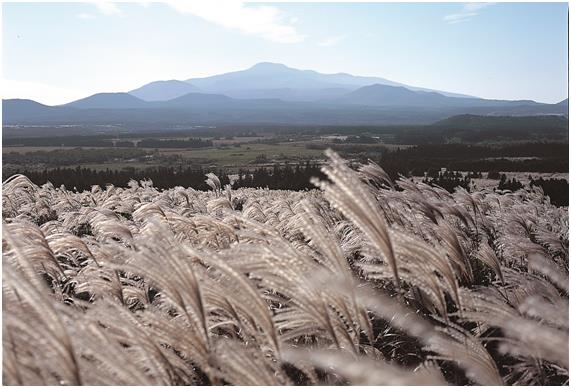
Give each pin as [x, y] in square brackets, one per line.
[331, 40]
[259, 20]
[85, 16]
[108, 8]
[473, 7]
[459, 17]
[468, 11]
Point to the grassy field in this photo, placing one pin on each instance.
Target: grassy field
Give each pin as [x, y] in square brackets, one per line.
[352, 284]
[25, 149]
[246, 154]
[228, 157]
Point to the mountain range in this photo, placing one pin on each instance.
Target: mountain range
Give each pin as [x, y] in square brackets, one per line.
[271, 93]
[268, 80]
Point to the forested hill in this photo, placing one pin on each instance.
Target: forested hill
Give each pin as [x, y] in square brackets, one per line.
[480, 122]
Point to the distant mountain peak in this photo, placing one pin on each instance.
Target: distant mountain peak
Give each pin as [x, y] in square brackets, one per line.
[24, 101]
[269, 66]
[163, 90]
[263, 68]
[268, 80]
[108, 101]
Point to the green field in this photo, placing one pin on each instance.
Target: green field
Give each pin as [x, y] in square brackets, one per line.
[246, 154]
[228, 157]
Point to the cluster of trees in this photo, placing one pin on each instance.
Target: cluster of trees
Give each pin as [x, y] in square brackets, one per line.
[285, 177]
[547, 157]
[164, 143]
[74, 156]
[360, 139]
[280, 178]
[474, 128]
[469, 151]
[556, 189]
[175, 143]
[80, 179]
[59, 141]
[449, 180]
[438, 173]
[106, 141]
[506, 184]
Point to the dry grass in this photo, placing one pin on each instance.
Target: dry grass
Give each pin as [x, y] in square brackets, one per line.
[355, 283]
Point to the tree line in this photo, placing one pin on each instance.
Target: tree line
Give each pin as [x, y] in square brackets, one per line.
[106, 141]
[280, 178]
[81, 178]
[535, 157]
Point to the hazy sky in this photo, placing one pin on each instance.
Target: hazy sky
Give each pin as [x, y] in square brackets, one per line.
[57, 52]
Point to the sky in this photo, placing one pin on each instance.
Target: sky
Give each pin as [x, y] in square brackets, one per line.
[58, 52]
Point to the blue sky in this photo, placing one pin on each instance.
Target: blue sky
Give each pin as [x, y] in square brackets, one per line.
[57, 52]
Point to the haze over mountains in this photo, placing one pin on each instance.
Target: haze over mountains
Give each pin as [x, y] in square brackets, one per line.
[271, 93]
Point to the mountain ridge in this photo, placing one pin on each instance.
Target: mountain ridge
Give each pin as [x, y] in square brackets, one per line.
[289, 98]
[376, 95]
[201, 108]
[163, 90]
[258, 81]
[108, 101]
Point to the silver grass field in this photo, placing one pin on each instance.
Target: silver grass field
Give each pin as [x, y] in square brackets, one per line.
[362, 281]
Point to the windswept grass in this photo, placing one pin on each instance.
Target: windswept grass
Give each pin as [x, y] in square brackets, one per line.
[354, 283]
